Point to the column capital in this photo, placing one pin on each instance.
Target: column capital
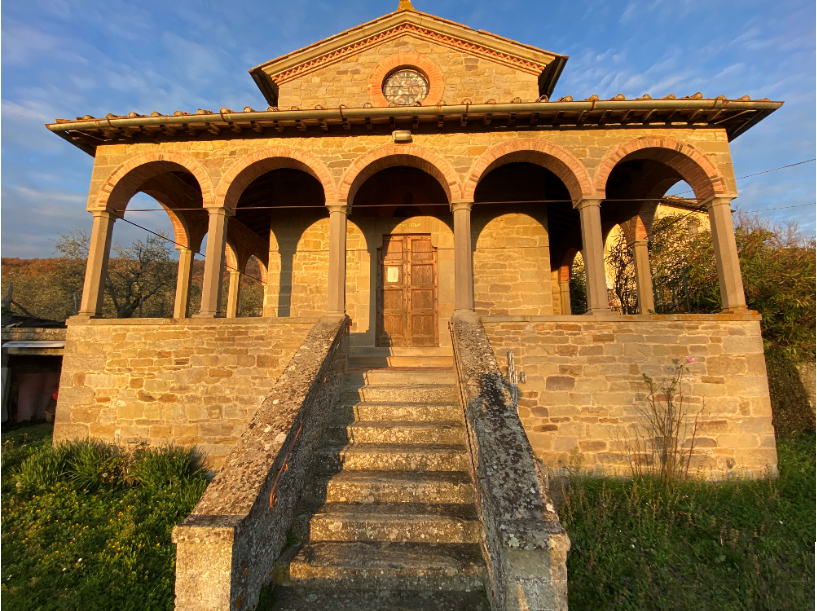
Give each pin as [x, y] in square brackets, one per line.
[225, 210]
[234, 271]
[461, 204]
[105, 213]
[336, 207]
[587, 201]
[718, 200]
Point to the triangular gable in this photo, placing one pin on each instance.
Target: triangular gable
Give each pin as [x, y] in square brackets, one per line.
[545, 65]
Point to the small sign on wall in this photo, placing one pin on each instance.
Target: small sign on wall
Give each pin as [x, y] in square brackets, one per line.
[392, 274]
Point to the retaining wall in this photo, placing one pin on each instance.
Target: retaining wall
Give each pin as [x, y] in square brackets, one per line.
[585, 375]
[191, 381]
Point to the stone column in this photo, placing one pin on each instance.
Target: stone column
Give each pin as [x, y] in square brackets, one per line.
[593, 255]
[96, 270]
[643, 277]
[185, 275]
[214, 261]
[463, 265]
[733, 298]
[233, 293]
[337, 258]
[564, 289]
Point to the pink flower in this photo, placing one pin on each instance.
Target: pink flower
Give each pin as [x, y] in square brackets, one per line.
[690, 359]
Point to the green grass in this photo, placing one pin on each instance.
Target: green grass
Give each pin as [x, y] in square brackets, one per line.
[695, 545]
[86, 526]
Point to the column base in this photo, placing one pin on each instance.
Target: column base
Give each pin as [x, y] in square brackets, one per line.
[736, 310]
[208, 315]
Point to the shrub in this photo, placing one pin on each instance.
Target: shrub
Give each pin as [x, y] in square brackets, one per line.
[160, 467]
[94, 463]
[45, 467]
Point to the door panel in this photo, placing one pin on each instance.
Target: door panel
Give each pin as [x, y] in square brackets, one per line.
[407, 292]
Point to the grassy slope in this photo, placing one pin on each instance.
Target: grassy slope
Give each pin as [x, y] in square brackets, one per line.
[735, 545]
[68, 548]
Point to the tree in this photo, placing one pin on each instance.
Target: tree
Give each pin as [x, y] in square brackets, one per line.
[619, 260]
[141, 278]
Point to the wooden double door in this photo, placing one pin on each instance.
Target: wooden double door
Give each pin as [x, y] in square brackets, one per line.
[407, 291]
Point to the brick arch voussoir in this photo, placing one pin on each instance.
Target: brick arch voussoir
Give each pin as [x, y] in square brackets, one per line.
[239, 176]
[427, 160]
[564, 164]
[124, 182]
[693, 165]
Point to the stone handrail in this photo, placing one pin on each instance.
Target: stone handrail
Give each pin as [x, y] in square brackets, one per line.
[524, 544]
[226, 548]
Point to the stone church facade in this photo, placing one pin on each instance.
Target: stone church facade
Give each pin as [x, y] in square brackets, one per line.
[407, 173]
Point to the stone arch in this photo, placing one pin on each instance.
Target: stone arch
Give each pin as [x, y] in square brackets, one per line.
[231, 257]
[564, 164]
[239, 176]
[127, 180]
[181, 232]
[693, 165]
[390, 155]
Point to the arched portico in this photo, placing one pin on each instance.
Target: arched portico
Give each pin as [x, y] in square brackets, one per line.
[179, 183]
[639, 173]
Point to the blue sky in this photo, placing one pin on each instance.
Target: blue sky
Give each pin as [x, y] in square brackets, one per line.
[64, 59]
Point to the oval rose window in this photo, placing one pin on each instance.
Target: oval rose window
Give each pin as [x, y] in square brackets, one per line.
[405, 87]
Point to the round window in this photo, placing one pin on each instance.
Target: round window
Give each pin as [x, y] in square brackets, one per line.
[405, 87]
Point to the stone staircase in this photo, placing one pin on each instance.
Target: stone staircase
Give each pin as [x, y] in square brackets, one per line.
[388, 521]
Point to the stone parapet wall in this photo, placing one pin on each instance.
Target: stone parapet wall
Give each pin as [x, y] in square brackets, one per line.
[191, 381]
[523, 543]
[584, 375]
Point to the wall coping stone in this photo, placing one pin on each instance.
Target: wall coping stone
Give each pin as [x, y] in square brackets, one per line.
[76, 321]
[524, 544]
[227, 546]
[751, 315]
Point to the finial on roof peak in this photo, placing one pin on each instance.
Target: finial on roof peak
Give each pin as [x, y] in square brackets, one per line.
[405, 5]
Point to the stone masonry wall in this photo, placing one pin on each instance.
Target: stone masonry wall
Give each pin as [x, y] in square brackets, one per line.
[585, 373]
[197, 381]
[338, 151]
[465, 76]
[511, 263]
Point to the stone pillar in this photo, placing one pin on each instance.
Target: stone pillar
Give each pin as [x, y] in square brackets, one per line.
[733, 298]
[643, 277]
[564, 289]
[463, 265]
[96, 270]
[593, 254]
[337, 258]
[183, 280]
[233, 293]
[214, 261]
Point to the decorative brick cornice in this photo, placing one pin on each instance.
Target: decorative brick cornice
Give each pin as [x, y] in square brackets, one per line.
[459, 44]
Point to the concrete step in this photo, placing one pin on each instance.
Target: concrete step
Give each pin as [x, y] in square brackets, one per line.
[390, 487]
[396, 522]
[418, 351]
[399, 377]
[347, 412]
[393, 457]
[401, 431]
[412, 362]
[385, 565]
[425, 393]
[316, 599]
